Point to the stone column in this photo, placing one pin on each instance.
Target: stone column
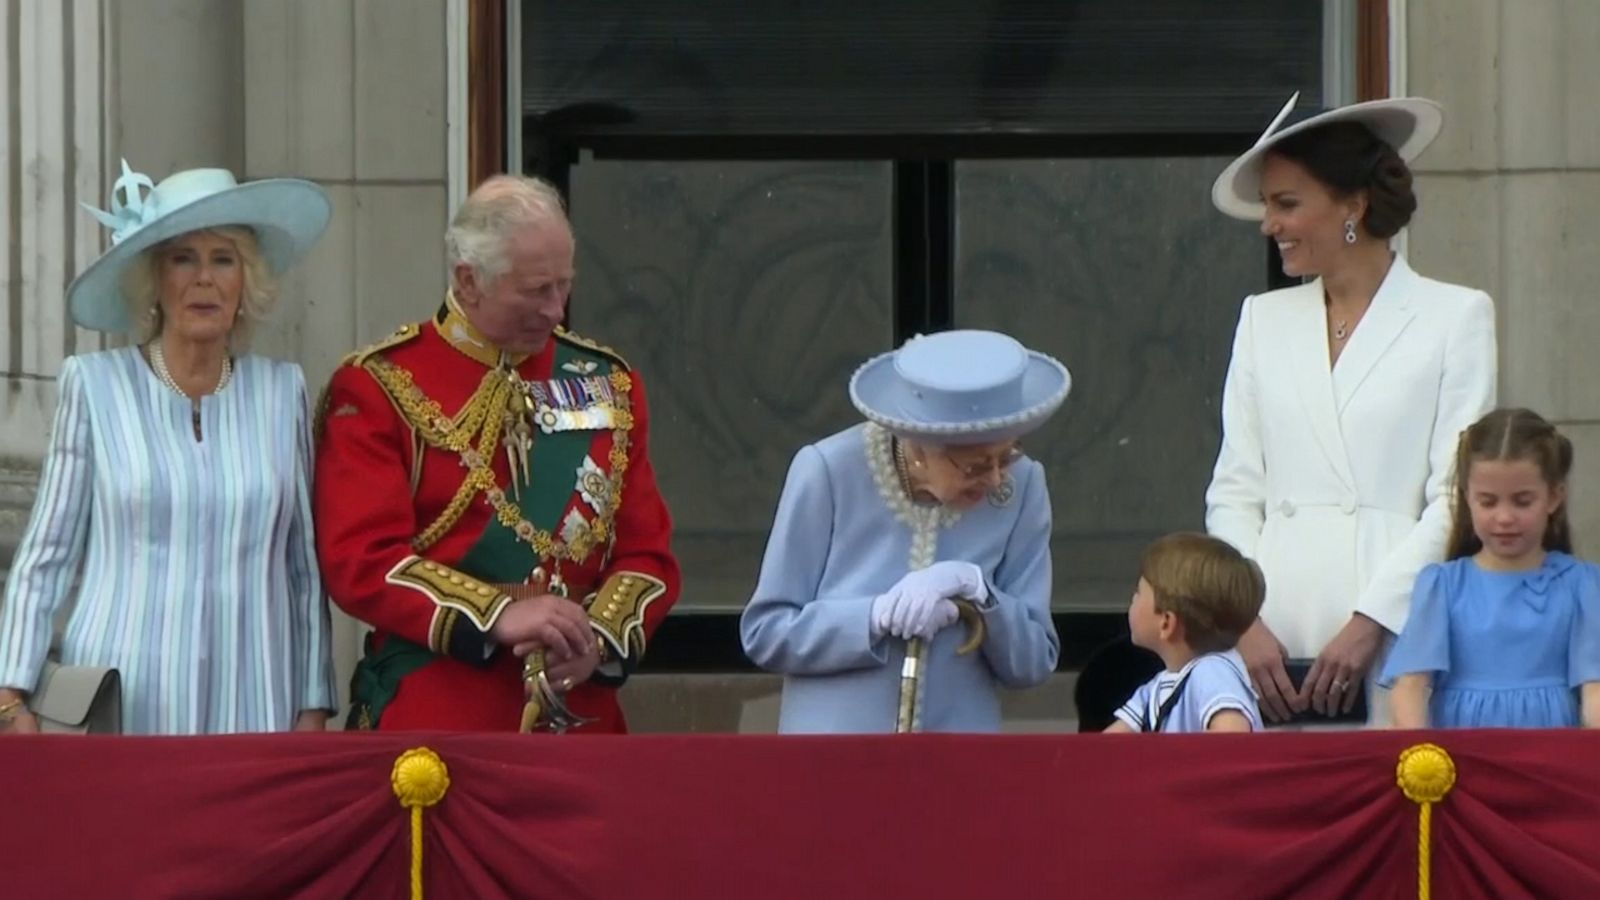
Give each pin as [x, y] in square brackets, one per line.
[1510, 197]
[52, 147]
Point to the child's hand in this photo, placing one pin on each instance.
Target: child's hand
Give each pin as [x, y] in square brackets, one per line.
[1264, 655]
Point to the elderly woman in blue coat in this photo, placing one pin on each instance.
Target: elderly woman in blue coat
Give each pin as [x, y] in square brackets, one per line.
[884, 528]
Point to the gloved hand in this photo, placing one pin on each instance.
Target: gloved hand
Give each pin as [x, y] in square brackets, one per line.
[907, 616]
[921, 603]
[952, 578]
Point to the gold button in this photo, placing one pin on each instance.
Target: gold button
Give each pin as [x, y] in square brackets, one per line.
[455, 580]
[484, 592]
[627, 581]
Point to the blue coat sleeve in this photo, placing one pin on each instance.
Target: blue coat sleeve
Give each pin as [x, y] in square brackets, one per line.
[1022, 646]
[1424, 643]
[787, 626]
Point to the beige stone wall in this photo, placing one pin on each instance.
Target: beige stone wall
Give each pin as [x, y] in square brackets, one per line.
[351, 94]
[1511, 198]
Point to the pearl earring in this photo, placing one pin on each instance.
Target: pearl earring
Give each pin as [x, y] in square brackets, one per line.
[1349, 231]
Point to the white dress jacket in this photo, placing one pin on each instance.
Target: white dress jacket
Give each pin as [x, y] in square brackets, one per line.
[1338, 482]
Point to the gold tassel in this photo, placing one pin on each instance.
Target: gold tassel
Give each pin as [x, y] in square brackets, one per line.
[420, 780]
[1426, 774]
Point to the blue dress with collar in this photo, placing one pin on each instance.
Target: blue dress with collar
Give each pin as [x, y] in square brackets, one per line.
[1506, 649]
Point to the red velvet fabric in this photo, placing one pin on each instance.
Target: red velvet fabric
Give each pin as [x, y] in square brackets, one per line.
[1225, 816]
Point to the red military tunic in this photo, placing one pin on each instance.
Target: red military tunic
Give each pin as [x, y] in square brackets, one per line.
[418, 518]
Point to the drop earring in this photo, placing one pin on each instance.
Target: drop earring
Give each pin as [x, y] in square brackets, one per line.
[1349, 231]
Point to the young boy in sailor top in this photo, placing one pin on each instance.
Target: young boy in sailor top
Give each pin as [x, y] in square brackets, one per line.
[1196, 596]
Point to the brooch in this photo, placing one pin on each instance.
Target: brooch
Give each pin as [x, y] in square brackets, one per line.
[1003, 492]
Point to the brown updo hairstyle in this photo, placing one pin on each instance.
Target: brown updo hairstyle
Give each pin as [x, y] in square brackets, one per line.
[1501, 436]
[1347, 157]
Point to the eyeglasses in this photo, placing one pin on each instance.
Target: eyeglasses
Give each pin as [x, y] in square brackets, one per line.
[976, 470]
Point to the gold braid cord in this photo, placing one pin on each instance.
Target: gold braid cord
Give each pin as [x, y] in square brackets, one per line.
[1426, 774]
[420, 779]
[483, 416]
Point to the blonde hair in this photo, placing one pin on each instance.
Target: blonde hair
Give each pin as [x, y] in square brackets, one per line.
[491, 214]
[141, 285]
[1210, 586]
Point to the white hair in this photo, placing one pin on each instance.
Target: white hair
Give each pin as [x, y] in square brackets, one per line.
[491, 214]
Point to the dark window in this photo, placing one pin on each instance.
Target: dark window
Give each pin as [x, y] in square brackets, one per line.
[765, 193]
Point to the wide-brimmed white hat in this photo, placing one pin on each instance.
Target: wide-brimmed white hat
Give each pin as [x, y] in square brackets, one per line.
[288, 215]
[960, 387]
[1408, 124]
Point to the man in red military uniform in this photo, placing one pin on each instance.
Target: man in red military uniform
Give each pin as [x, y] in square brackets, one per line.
[484, 495]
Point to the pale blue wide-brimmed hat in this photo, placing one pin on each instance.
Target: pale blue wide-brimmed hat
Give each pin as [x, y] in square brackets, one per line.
[960, 387]
[1408, 124]
[288, 215]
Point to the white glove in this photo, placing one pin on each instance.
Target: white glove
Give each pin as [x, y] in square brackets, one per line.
[920, 604]
[952, 578]
[906, 616]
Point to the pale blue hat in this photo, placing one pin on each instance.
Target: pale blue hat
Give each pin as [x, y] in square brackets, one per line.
[960, 387]
[1408, 124]
[288, 215]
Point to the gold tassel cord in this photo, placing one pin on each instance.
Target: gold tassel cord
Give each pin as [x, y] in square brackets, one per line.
[1426, 774]
[420, 780]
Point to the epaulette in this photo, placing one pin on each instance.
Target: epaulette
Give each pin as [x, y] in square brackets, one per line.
[401, 335]
[577, 341]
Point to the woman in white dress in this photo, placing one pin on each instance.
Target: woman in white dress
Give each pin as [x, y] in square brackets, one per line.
[1343, 402]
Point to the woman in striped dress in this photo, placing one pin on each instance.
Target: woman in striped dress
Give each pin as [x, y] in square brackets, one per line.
[176, 488]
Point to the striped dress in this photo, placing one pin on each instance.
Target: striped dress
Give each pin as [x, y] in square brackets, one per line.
[198, 570]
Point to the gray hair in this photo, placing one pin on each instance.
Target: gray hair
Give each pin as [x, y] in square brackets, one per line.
[491, 214]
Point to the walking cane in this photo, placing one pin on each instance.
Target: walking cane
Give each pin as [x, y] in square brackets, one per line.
[909, 717]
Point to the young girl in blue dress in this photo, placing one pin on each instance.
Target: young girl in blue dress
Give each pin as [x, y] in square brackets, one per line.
[1506, 632]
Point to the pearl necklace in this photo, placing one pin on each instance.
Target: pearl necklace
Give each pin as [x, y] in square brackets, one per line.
[901, 468]
[158, 362]
[924, 520]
